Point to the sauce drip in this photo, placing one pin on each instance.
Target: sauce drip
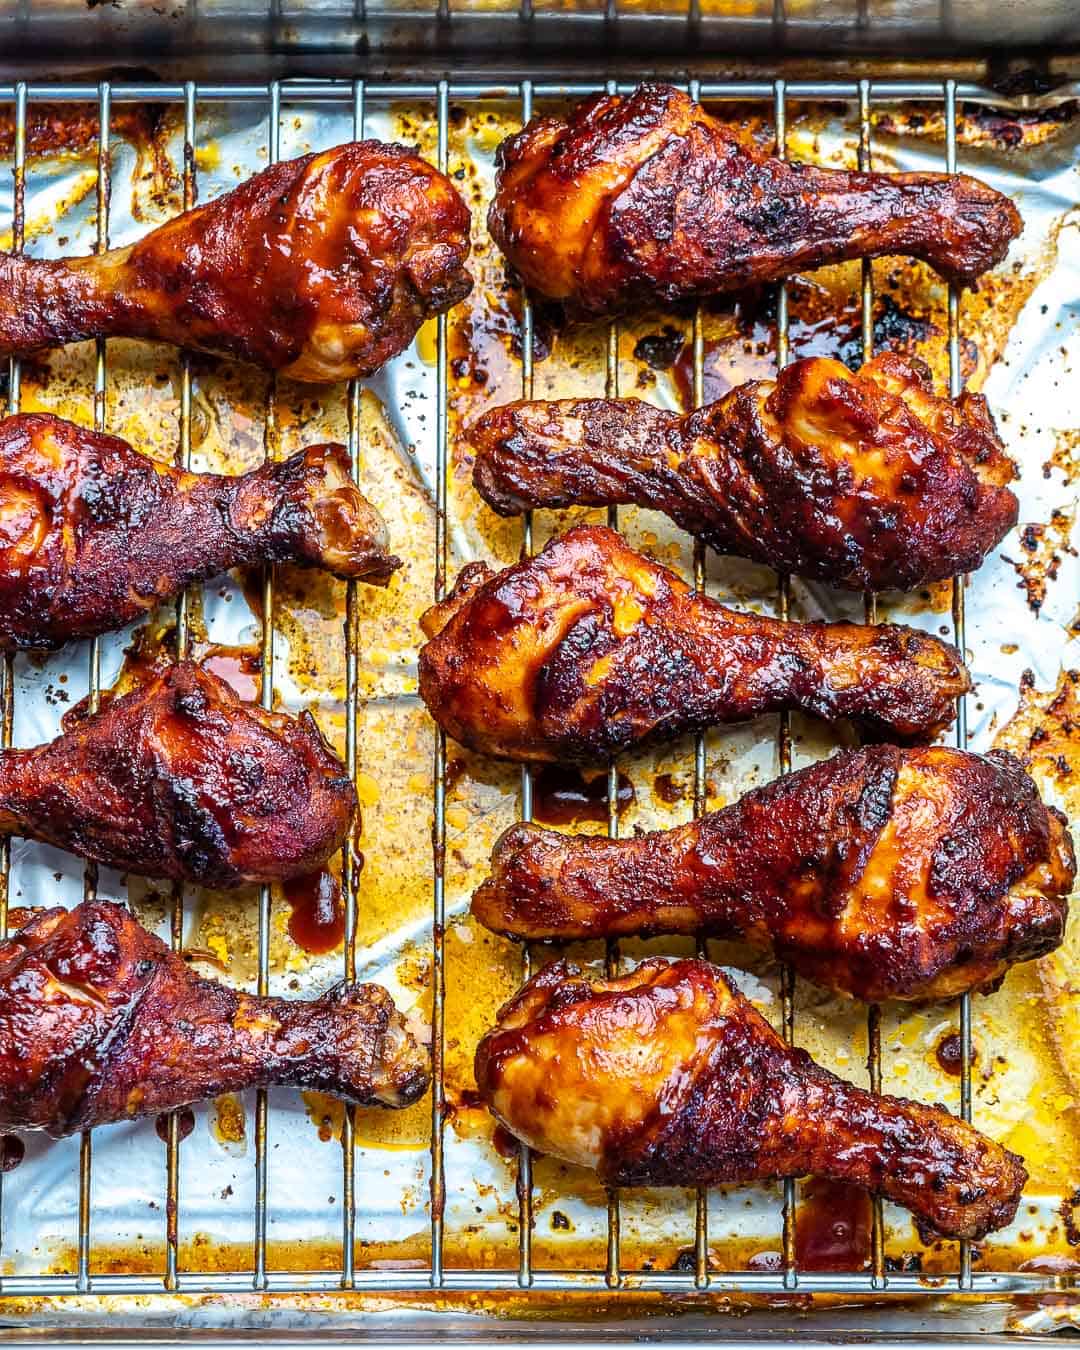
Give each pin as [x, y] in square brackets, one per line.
[185, 1123]
[12, 1152]
[317, 921]
[832, 1228]
[949, 1053]
[504, 1143]
[563, 796]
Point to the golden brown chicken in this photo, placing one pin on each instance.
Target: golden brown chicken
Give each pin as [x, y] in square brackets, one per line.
[589, 648]
[321, 267]
[180, 779]
[92, 534]
[880, 873]
[669, 1077]
[99, 1021]
[867, 481]
[644, 198]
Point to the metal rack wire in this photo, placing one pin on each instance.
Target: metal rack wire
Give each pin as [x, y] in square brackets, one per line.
[357, 95]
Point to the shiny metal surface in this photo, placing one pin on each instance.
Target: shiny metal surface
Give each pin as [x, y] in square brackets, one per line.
[350, 37]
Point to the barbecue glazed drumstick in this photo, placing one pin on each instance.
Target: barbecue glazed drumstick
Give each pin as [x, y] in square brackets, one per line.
[92, 534]
[648, 198]
[181, 779]
[880, 873]
[99, 1021]
[867, 481]
[589, 648]
[321, 267]
[669, 1077]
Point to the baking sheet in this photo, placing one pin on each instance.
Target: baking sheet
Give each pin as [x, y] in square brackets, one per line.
[1020, 345]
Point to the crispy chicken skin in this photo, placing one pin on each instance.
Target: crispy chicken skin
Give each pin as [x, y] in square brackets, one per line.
[93, 534]
[180, 779]
[867, 481]
[880, 873]
[99, 1021]
[669, 1077]
[321, 267]
[589, 648]
[647, 198]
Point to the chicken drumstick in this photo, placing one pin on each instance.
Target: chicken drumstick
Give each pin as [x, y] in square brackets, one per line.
[647, 197]
[321, 267]
[880, 873]
[99, 1021]
[589, 648]
[93, 534]
[180, 779]
[669, 1077]
[868, 481]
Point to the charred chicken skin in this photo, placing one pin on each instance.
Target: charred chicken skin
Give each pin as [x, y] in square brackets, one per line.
[100, 1022]
[880, 873]
[647, 198]
[180, 779]
[589, 648]
[322, 267]
[867, 481]
[669, 1077]
[93, 534]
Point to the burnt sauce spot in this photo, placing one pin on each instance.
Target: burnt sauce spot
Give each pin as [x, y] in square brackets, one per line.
[821, 324]
[659, 351]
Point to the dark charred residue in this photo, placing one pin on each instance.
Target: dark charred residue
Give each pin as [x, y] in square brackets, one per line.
[979, 124]
[1070, 1217]
[910, 1263]
[660, 350]
[12, 1152]
[1044, 547]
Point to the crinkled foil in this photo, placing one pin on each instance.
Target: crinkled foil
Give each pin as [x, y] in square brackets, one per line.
[1019, 345]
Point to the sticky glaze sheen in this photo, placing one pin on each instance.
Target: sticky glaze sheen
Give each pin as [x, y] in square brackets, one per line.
[869, 481]
[94, 534]
[646, 197]
[880, 873]
[669, 1077]
[322, 267]
[99, 1021]
[180, 779]
[590, 648]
